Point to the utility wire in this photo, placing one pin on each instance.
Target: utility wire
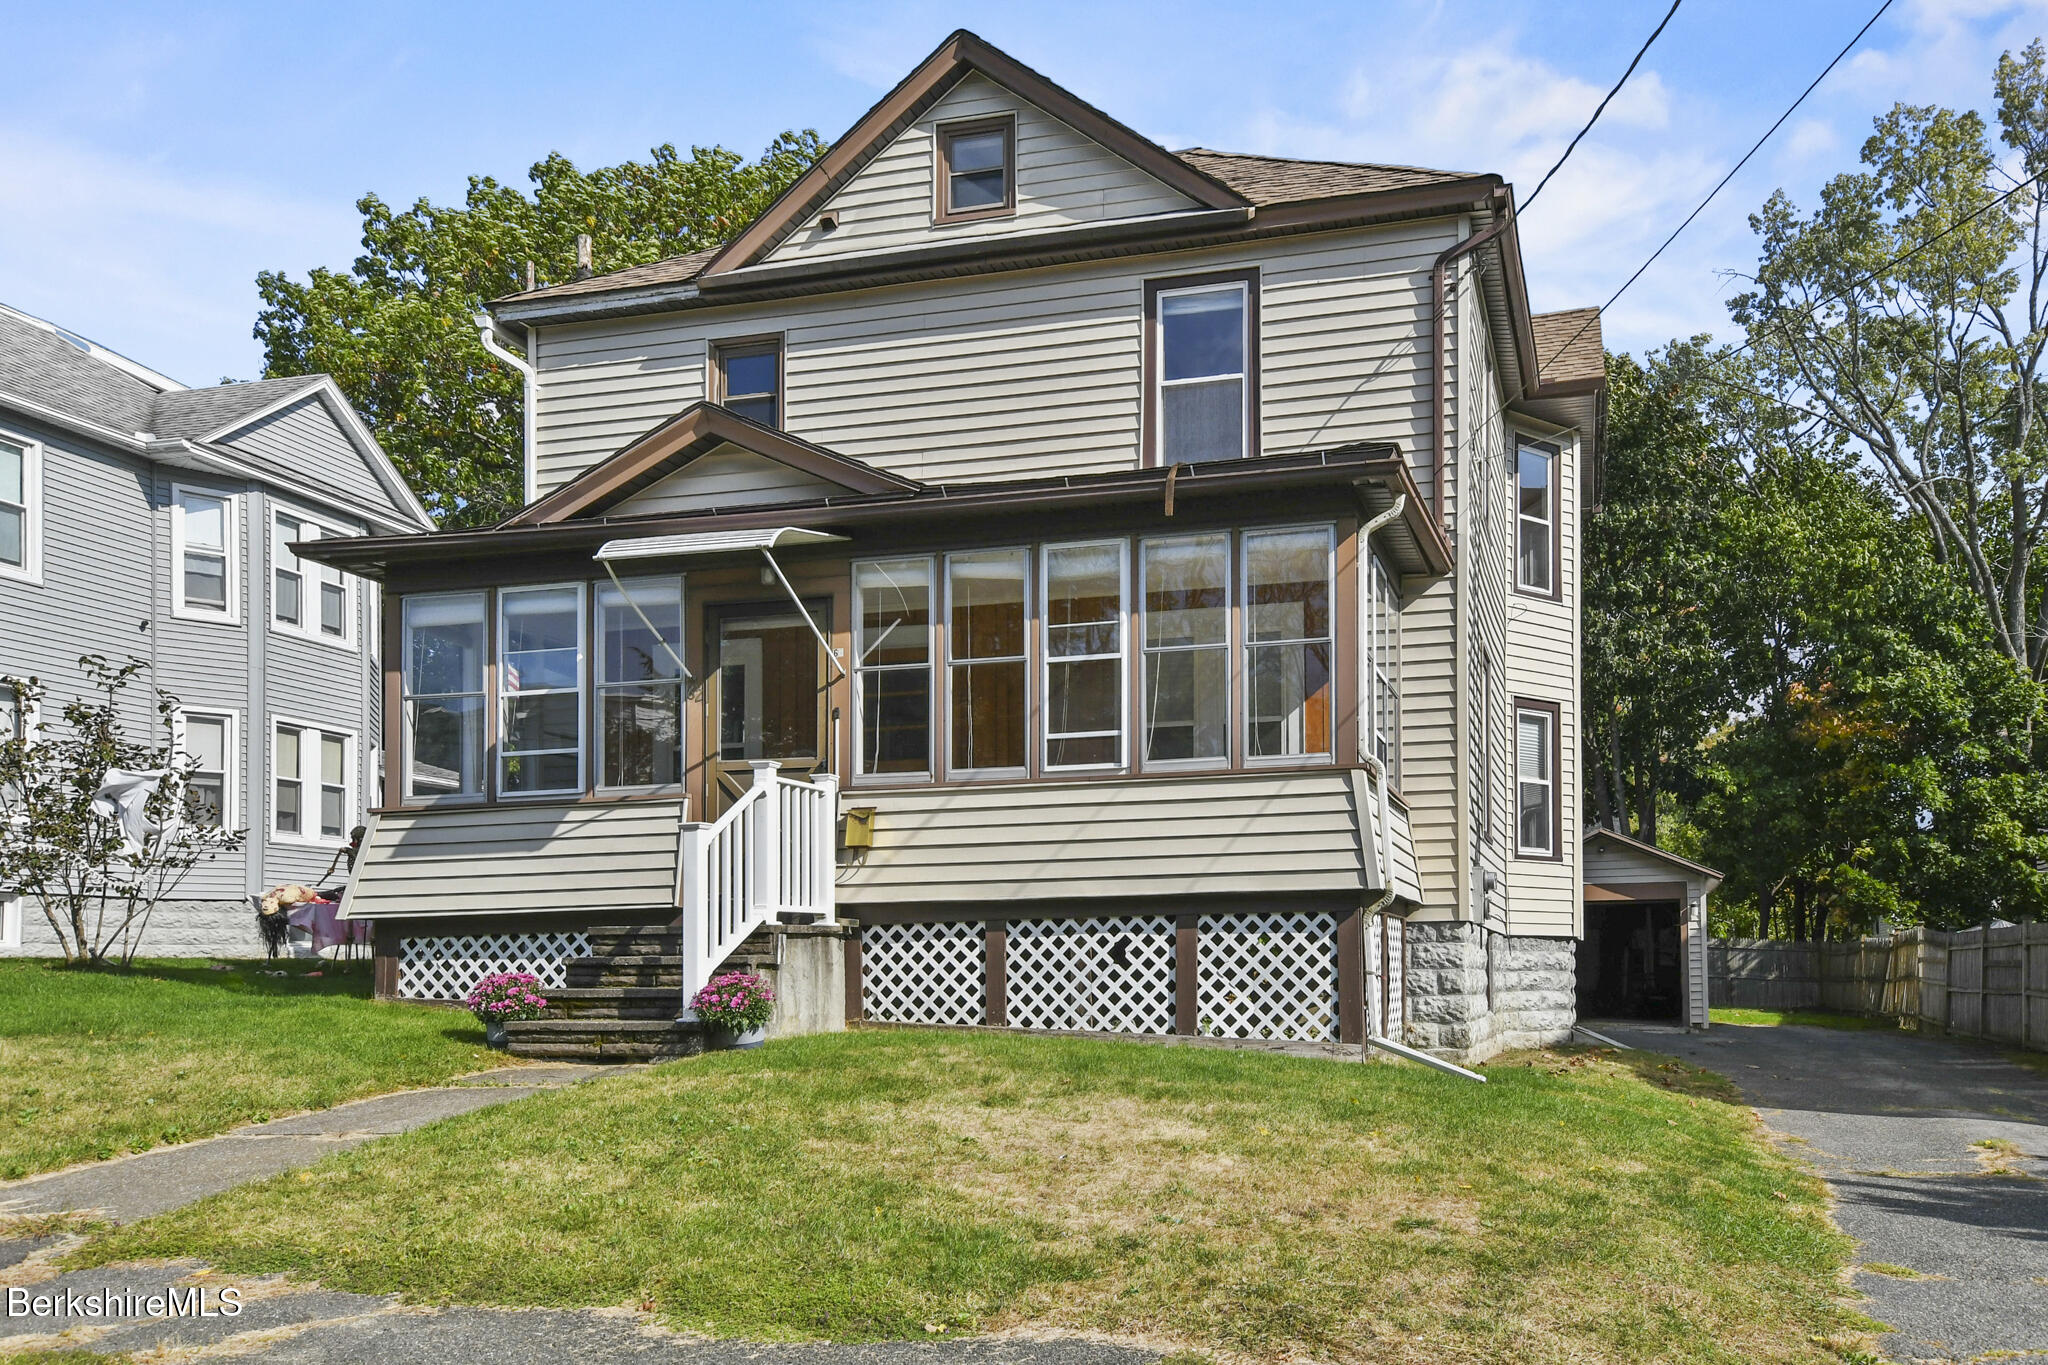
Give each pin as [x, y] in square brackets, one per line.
[1722, 184]
[1603, 103]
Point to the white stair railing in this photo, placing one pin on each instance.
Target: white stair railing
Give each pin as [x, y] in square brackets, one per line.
[771, 853]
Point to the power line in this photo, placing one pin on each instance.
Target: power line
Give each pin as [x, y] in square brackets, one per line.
[1722, 184]
[1603, 103]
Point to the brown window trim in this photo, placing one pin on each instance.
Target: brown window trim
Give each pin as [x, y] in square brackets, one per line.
[1149, 426]
[1556, 454]
[942, 169]
[1555, 711]
[763, 343]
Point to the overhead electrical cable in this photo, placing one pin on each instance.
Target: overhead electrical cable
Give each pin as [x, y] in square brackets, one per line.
[1633, 63]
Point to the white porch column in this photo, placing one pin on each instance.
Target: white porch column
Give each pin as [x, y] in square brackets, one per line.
[765, 837]
[825, 851]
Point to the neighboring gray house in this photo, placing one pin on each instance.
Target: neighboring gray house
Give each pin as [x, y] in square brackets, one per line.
[143, 519]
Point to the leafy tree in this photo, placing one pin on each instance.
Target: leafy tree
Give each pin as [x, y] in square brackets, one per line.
[61, 853]
[397, 332]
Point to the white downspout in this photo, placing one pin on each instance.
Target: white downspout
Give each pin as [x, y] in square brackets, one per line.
[487, 333]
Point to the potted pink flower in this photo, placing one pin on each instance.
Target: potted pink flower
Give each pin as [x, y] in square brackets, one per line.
[735, 1008]
[502, 997]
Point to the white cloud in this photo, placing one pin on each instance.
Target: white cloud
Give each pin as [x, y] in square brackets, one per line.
[1807, 140]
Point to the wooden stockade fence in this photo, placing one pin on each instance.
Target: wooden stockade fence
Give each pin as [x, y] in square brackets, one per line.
[1989, 983]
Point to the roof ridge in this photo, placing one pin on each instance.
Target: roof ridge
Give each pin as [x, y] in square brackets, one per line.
[105, 355]
[1321, 161]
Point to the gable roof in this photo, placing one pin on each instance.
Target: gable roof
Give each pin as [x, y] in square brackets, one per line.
[208, 414]
[1568, 347]
[1265, 180]
[694, 432]
[1651, 851]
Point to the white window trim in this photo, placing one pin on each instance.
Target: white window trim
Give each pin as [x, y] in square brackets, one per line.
[1553, 525]
[309, 811]
[30, 570]
[934, 629]
[1246, 644]
[1030, 697]
[1161, 383]
[1122, 761]
[231, 534]
[29, 711]
[1231, 664]
[1551, 749]
[231, 780]
[582, 690]
[406, 699]
[595, 706]
[309, 601]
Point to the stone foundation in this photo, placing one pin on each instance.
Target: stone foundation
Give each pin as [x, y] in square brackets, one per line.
[215, 928]
[1472, 993]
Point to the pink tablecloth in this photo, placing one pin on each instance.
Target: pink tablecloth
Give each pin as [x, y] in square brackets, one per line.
[318, 919]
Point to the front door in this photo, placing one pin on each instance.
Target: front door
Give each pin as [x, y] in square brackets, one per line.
[766, 697]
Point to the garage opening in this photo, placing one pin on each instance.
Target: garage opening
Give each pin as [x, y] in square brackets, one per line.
[1629, 962]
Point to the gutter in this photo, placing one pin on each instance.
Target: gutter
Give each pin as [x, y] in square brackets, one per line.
[487, 333]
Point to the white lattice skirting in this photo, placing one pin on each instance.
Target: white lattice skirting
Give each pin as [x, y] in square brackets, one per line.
[1268, 976]
[925, 973]
[1098, 975]
[449, 968]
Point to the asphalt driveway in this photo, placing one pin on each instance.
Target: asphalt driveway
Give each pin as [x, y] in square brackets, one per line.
[1937, 1153]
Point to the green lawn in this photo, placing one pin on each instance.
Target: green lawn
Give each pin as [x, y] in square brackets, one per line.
[1584, 1207]
[93, 1064]
[1804, 1018]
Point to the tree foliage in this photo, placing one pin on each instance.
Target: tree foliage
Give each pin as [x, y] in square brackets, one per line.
[397, 329]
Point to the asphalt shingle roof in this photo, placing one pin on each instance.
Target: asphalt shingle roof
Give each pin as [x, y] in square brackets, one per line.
[189, 414]
[1568, 345]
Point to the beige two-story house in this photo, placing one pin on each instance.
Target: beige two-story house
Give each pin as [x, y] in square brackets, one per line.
[1139, 588]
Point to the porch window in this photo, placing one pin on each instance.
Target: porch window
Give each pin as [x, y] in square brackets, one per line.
[1536, 520]
[1536, 779]
[202, 550]
[1383, 645]
[310, 783]
[540, 689]
[1203, 399]
[639, 682]
[986, 605]
[1084, 654]
[750, 380]
[206, 742]
[1186, 682]
[444, 695]
[893, 667]
[1288, 589]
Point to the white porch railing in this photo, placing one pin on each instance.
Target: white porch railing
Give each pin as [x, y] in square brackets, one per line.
[771, 852]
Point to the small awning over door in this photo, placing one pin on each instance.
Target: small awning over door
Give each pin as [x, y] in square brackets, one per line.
[699, 544]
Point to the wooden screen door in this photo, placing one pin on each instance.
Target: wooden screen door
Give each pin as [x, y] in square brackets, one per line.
[767, 696]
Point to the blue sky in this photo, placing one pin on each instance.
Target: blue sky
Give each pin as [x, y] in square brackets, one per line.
[151, 161]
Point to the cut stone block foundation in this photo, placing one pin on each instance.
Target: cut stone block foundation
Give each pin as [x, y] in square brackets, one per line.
[1472, 993]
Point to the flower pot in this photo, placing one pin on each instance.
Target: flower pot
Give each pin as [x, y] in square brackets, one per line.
[719, 1038]
[494, 1032]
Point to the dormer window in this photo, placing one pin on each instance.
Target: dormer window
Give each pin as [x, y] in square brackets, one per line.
[977, 173]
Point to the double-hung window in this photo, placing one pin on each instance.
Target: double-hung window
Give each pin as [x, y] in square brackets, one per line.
[1536, 754]
[1083, 645]
[1383, 660]
[893, 667]
[306, 598]
[750, 379]
[445, 651]
[987, 683]
[1185, 684]
[1288, 587]
[540, 689]
[977, 169]
[311, 783]
[206, 741]
[1536, 519]
[1203, 401]
[203, 570]
[21, 464]
[640, 682]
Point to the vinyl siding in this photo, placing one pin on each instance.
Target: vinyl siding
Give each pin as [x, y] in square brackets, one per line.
[491, 860]
[728, 477]
[305, 436]
[1017, 375]
[1608, 863]
[1254, 834]
[1063, 180]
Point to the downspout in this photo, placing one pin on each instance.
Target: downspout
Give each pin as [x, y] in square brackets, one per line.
[487, 333]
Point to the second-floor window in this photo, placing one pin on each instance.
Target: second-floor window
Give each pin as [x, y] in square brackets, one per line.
[203, 569]
[1204, 338]
[20, 507]
[1536, 519]
[750, 380]
[307, 598]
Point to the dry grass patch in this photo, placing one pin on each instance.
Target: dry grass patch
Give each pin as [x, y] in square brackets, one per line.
[1242, 1205]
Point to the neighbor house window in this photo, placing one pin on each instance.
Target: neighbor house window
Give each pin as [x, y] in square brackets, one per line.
[977, 169]
[444, 643]
[1536, 754]
[750, 380]
[540, 689]
[640, 682]
[21, 465]
[986, 683]
[10, 920]
[1383, 660]
[1203, 397]
[893, 667]
[1288, 588]
[206, 740]
[1536, 520]
[203, 554]
[310, 783]
[306, 598]
[1186, 678]
[1083, 643]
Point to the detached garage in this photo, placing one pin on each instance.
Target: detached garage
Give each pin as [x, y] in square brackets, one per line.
[1643, 954]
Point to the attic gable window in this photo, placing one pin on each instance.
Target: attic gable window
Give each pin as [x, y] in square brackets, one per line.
[977, 171]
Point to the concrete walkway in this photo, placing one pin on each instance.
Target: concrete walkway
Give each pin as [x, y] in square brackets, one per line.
[1894, 1122]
